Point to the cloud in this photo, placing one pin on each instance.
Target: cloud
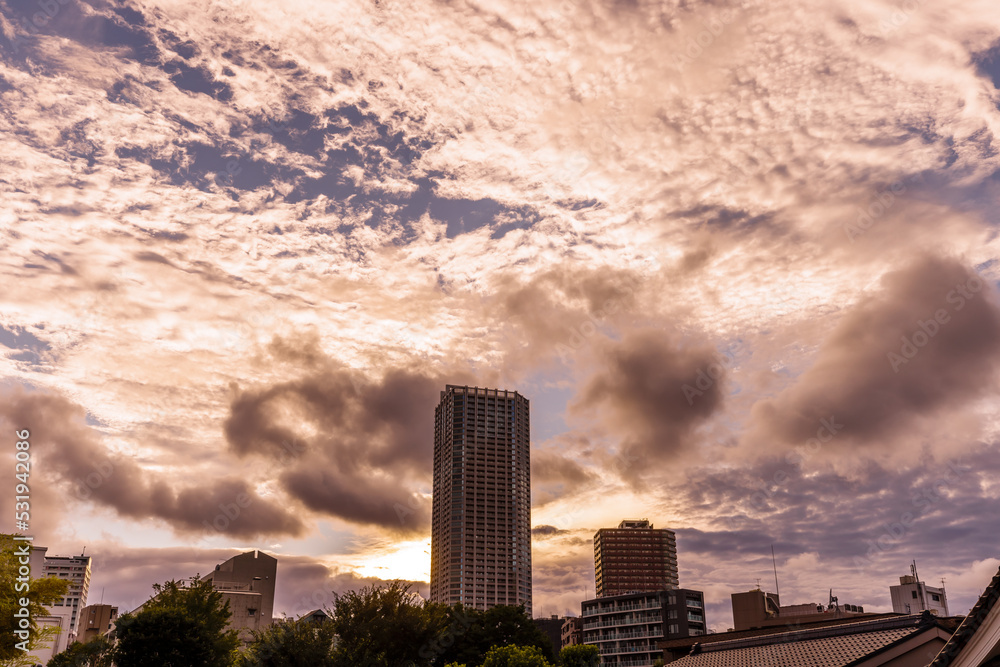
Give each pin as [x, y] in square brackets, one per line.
[653, 394]
[926, 343]
[544, 532]
[550, 468]
[345, 444]
[529, 192]
[71, 455]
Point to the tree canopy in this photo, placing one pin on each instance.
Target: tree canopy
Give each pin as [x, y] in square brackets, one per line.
[179, 627]
[515, 656]
[95, 653]
[385, 625]
[475, 632]
[579, 655]
[289, 643]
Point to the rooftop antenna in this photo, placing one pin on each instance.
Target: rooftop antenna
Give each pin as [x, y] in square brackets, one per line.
[102, 594]
[774, 564]
[758, 583]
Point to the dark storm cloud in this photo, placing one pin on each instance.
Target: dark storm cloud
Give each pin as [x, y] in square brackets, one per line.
[653, 393]
[361, 497]
[929, 341]
[351, 446]
[87, 471]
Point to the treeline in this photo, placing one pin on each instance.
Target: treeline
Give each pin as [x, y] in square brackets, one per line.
[378, 626]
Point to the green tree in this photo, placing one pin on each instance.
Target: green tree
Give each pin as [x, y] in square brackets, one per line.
[41, 593]
[579, 655]
[95, 653]
[178, 627]
[301, 643]
[516, 656]
[502, 625]
[385, 626]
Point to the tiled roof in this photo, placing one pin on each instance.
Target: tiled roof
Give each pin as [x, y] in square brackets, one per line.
[822, 647]
[970, 625]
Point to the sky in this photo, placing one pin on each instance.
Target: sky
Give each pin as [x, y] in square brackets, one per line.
[741, 256]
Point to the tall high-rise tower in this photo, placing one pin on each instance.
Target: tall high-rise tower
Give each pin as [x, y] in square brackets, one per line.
[633, 558]
[481, 525]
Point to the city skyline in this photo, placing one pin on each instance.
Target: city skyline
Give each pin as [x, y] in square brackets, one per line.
[740, 255]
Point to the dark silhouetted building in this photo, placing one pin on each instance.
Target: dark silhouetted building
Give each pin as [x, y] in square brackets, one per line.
[481, 523]
[633, 558]
[552, 627]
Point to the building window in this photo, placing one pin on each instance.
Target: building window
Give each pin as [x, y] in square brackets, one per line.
[251, 612]
[914, 594]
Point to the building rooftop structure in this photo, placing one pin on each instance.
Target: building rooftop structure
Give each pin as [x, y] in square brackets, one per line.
[913, 596]
[758, 609]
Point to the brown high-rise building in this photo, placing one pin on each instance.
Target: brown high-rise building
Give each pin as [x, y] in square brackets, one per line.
[634, 558]
[481, 524]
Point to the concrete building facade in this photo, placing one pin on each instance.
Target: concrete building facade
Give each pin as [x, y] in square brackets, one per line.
[751, 608]
[627, 629]
[246, 581]
[757, 609]
[634, 557]
[75, 569]
[913, 596]
[572, 632]
[95, 620]
[481, 521]
[64, 614]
